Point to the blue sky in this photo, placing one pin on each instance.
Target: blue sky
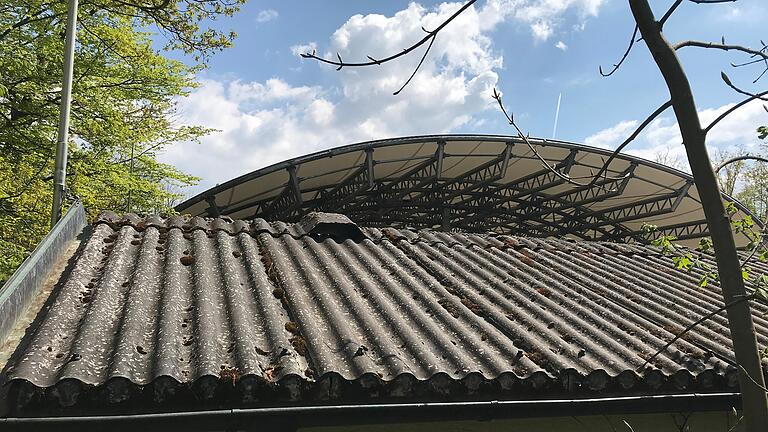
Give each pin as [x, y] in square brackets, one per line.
[269, 104]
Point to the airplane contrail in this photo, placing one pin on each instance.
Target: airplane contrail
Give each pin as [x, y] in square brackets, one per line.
[557, 115]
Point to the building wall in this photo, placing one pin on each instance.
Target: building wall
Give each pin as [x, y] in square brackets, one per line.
[668, 422]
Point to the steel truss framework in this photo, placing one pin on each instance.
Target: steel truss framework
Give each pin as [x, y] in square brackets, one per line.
[485, 196]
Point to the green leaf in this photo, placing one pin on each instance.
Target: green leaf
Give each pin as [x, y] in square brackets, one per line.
[705, 244]
[127, 93]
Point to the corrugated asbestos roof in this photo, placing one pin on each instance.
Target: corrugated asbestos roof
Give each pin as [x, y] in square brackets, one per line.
[156, 313]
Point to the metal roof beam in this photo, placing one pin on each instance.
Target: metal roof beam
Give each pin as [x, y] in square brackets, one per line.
[526, 185]
[681, 231]
[482, 175]
[361, 180]
[287, 205]
[632, 211]
[581, 195]
[422, 174]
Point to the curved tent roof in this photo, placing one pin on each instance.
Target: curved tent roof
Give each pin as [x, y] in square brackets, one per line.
[474, 183]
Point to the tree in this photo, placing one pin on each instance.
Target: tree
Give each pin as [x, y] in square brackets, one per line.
[123, 110]
[744, 176]
[665, 157]
[729, 267]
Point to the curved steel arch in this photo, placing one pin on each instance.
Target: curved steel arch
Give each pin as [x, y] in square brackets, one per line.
[469, 182]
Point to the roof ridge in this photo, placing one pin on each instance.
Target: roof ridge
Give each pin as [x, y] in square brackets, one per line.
[321, 225]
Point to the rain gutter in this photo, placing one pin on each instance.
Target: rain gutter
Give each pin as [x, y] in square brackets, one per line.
[292, 418]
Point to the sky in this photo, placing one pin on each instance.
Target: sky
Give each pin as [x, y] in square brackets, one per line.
[268, 104]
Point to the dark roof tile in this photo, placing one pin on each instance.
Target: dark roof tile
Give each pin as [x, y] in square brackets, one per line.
[298, 312]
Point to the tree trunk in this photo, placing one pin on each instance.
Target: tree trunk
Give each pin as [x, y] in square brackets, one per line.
[754, 401]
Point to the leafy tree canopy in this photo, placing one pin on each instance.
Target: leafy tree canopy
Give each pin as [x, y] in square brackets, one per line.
[123, 106]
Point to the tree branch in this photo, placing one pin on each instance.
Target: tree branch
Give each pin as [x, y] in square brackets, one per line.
[429, 47]
[729, 269]
[728, 82]
[720, 46]
[730, 110]
[430, 37]
[691, 327]
[669, 12]
[28, 20]
[497, 97]
[754, 381]
[739, 158]
[632, 137]
[160, 6]
[624, 57]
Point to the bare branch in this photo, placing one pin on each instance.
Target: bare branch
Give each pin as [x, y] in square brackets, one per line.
[510, 119]
[744, 371]
[430, 37]
[429, 47]
[757, 248]
[738, 421]
[721, 46]
[739, 158]
[677, 3]
[626, 423]
[632, 137]
[594, 178]
[624, 57]
[728, 82]
[669, 12]
[730, 110]
[692, 326]
[751, 62]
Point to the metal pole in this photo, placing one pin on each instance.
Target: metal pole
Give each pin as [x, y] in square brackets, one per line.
[60, 171]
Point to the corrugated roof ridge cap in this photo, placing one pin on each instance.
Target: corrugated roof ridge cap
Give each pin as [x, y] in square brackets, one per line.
[433, 237]
[181, 222]
[569, 245]
[112, 218]
[259, 226]
[373, 234]
[430, 236]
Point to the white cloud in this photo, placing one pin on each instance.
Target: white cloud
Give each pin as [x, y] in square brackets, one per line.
[267, 122]
[541, 30]
[561, 45]
[304, 48]
[662, 136]
[542, 16]
[266, 15]
[733, 14]
[612, 136]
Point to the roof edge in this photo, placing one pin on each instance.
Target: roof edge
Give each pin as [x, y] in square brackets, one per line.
[335, 415]
[24, 283]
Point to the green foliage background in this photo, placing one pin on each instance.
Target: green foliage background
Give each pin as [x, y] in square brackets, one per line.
[125, 96]
[747, 181]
